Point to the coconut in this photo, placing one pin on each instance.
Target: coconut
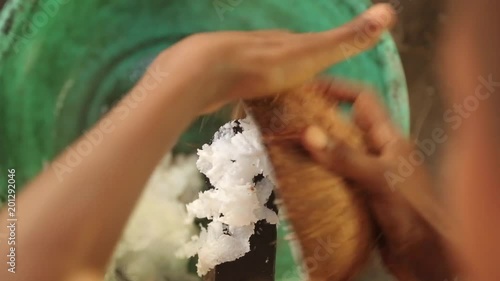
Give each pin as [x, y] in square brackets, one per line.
[330, 220]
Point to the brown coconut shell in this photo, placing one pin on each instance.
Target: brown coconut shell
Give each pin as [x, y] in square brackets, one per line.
[330, 219]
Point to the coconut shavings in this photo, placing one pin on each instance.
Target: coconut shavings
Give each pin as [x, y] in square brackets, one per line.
[237, 166]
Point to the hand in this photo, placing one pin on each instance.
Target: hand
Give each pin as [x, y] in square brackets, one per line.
[226, 66]
[403, 206]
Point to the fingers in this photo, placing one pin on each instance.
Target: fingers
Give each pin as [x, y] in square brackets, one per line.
[356, 36]
[271, 33]
[342, 159]
[368, 172]
[297, 58]
[336, 89]
[369, 113]
[373, 119]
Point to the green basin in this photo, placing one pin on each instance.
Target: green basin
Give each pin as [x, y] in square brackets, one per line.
[65, 63]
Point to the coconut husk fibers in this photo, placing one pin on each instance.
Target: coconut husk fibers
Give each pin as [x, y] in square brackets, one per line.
[329, 218]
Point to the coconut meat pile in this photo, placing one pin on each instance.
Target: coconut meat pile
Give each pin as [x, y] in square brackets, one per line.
[157, 228]
[237, 166]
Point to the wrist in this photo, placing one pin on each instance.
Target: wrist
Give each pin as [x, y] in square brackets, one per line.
[176, 88]
[201, 79]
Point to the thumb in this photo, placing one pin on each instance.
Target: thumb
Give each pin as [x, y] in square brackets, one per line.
[344, 160]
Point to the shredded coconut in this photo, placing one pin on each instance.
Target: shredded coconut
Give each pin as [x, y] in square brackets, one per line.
[156, 229]
[237, 166]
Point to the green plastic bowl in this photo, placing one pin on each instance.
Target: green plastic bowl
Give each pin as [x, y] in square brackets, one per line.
[65, 63]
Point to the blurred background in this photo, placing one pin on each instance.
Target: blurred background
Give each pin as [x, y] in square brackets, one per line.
[416, 35]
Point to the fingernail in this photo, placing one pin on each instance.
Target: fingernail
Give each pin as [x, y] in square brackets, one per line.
[316, 138]
[381, 15]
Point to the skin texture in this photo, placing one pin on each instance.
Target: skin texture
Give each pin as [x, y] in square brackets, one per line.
[72, 221]
[473, 156]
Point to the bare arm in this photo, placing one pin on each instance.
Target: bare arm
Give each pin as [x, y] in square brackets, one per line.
[71, 216]
[473, 157]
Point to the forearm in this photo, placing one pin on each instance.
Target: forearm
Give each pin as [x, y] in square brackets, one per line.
[420, 255]
[419, 229]
[79, 211]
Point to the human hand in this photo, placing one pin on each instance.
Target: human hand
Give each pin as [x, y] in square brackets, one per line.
[409, 216]
[226, 66]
